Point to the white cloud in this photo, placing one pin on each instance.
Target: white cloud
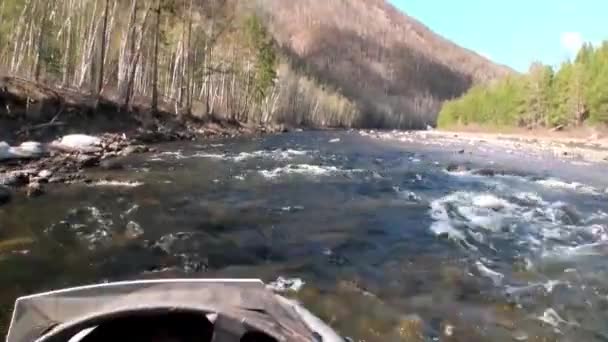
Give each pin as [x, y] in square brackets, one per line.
[572, 41]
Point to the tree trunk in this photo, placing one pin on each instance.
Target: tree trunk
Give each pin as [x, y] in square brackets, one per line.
[155, 67]
[189, 64]
[134, 61]
[102, 54]
[40, 42]
[126, 50]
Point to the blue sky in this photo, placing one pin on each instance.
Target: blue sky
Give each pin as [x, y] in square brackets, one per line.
[515, 32]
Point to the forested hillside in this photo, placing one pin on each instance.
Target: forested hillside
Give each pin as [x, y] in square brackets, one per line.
[575, 94]
[396, 70]
[312, 62]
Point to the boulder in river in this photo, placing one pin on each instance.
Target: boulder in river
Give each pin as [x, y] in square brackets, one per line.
[134, 149]
[15, 178]
[112, 164]
[45, 174]
[86, 160]
[35, 189]
[5, 195]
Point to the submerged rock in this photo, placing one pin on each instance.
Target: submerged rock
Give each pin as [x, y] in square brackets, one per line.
[112, 164]
[485, 172]
[15, 178]
[134, 149]
[4, 148]
[456, 168]
[5, 195]
[133, 230]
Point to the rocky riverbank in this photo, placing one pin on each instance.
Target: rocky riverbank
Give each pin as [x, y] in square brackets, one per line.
[593, 149]
[31, 165]
[52, 135]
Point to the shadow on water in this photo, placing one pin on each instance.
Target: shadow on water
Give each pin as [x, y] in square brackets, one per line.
[390, 245]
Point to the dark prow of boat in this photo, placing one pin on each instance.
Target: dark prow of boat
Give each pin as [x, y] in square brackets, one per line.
[169, 310]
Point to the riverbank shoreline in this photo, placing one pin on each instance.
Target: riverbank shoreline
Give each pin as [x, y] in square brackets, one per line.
[50, 135]
[561, 145]
[566, 145]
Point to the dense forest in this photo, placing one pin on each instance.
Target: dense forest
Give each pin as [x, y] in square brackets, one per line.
[199, 57]
[575, 94]
[314, 63]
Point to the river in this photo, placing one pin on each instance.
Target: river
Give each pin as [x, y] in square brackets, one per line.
[386, 243]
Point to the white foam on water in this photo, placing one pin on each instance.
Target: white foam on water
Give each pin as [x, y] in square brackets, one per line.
[598, 215]
[490, 201]
[600, 232]
[174, 154]
[278, 154]
[461, 173]
[585, 250]
[274, 154]
[115, 183]
[286, 284]
[573, 186]
[133, 208]
[548, 286]
[209, 155]
[477, 175]
[520, 225]
[302, 169]
[99, 217]
[443, 225]
[551, 284]
[90, 225]
[531, 198]
[496, 277]
[475, 210]
[551, 317]
[292, 209]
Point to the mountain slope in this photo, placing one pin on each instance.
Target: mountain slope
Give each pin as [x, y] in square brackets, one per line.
[397, 70]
